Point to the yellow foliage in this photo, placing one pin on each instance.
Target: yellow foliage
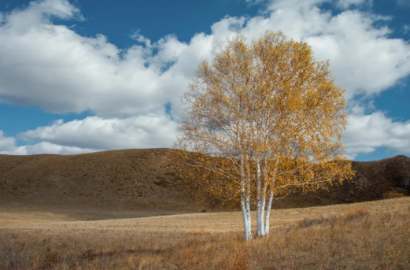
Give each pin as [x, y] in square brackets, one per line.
[262, 120]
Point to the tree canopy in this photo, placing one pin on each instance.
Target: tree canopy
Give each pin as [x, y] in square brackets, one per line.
[262, 119]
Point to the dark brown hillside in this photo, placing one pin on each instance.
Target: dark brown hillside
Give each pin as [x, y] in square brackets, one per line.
[375, 178]
[145, 179]
[372, 180]
[135, 179]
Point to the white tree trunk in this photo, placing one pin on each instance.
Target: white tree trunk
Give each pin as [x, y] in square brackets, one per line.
[260, 206]
[248, 208]
[269, 206]
[246, 213]
[261, 216]
[245, 205]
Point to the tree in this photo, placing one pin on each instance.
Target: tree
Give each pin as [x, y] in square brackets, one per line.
[262, 120]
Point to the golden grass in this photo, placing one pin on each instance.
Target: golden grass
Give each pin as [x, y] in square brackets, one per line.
[371, 235]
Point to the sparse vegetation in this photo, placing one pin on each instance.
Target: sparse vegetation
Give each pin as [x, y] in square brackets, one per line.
[393, 194]
[372, 235]
[51, 180]
[42, 229]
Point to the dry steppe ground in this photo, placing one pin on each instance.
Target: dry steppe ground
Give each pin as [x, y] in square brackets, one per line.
[127, 209]
[370, 235]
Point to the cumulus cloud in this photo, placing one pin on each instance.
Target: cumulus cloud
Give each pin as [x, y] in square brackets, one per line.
[7, 144]
[49, 148]
[94, 132]
[362, 57]
[365, 133]
[51, 66]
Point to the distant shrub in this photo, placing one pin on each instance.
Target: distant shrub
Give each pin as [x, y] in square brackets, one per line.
[349, 215]
[307, 222]
[355, 213]
[393, 194]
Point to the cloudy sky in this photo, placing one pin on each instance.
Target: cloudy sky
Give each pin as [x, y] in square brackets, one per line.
[89, 75]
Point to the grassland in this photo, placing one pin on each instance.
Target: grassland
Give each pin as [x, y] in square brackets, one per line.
[127, 209]
[371, 235]
[136, 179]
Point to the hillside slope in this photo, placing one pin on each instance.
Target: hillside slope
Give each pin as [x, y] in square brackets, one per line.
[145, 179]
[373, 178]
[140, 178]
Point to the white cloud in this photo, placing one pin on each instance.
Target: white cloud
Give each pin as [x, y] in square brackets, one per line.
[71, 73]
[7, 144]
[53, 67]
[39, 13]
[365, 133]
[362, 58]
[97, 133]
[49, 148]
[65, 72]
[140, 38]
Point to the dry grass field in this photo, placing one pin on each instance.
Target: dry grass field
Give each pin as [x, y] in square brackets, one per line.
[127, 209]
[370, 235]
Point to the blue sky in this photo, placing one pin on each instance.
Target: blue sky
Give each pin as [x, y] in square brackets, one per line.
[85, 75]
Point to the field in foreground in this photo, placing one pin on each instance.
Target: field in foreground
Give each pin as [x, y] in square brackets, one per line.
[371, 235]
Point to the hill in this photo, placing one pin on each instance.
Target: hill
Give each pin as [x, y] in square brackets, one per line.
[134, 179]
[146, 179]
[372, 180]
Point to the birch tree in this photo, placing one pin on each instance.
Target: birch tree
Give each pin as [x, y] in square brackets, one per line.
[261, 121]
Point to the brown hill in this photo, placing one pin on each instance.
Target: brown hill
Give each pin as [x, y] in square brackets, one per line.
[373, 179]
[145, 179]
[134, 179]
